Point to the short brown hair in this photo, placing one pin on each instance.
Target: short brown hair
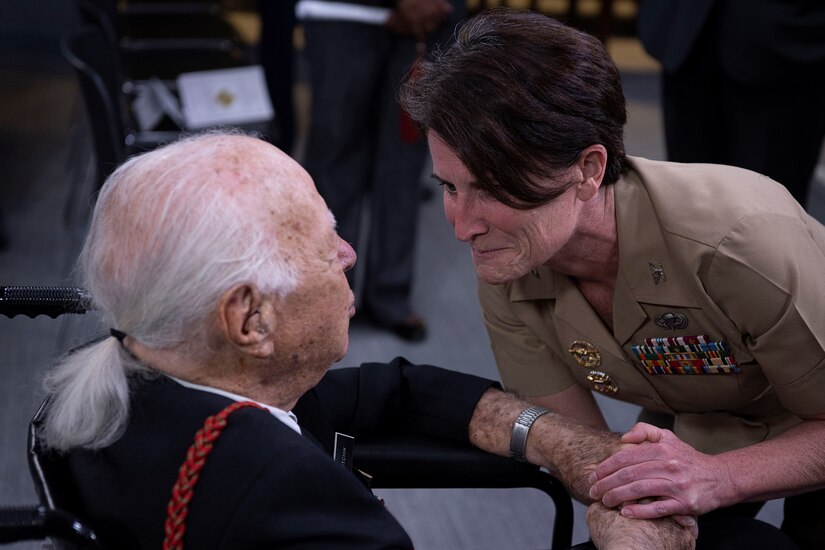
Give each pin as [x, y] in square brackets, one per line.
[518, 96]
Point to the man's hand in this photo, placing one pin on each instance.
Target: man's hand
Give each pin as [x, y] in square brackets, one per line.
[568, 449]
[419, 18]
[611, 531]
[679, 479]
[571, 451]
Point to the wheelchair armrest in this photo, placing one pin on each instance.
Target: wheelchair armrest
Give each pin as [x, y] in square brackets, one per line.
[410, 461]
[39, 522]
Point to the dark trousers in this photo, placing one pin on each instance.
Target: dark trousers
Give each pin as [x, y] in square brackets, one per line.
[805, 519]
[803, 526]
[276, 55]
[775, 128]
[358, 157]
[735, 533]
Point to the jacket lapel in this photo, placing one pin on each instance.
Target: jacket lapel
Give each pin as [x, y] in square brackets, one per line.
[648, 272]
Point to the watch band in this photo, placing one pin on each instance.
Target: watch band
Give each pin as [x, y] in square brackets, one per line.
[521, 428]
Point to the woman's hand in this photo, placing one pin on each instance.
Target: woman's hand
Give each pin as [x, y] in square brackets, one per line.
[659, 466]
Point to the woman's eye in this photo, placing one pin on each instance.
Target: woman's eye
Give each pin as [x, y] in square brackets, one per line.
[448, 188]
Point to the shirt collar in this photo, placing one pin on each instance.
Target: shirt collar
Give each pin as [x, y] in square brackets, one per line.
[642, 248]
[287, 417]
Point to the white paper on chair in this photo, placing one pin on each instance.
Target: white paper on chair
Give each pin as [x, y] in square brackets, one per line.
[146, 108]
[167, 100]
[224, 96]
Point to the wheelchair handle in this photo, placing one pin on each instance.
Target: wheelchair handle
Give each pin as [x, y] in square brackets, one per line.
[43, 300]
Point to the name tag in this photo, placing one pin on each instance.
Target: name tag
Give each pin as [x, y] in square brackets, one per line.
[342, 454]
[686, 355]
[344, 448]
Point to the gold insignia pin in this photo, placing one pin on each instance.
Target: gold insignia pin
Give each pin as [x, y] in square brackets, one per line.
[585, 354]
[602, 382]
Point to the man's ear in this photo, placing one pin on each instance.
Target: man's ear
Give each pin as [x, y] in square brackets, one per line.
[247, 320]
[593, 164]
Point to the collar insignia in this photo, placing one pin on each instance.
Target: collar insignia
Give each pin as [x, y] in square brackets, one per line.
[657, 272]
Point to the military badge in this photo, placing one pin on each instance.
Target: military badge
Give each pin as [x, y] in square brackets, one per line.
[686, 355]
[657, 272]
[585, 354]
[602, 382]
[672, 321]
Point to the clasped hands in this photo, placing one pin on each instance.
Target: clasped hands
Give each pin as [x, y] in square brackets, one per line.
[656, 475]
[581, 457]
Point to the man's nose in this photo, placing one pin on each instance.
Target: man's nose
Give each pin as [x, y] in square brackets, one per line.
[346, 254]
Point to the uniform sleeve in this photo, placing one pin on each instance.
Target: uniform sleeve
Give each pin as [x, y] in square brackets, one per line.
[767, 277]
[526, 364]
[398, 397]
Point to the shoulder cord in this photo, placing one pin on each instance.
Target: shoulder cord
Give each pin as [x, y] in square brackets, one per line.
[189, 472]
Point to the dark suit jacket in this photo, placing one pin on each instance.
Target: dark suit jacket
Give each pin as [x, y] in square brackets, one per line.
[668, 29]
[263, 485]
[754, 40]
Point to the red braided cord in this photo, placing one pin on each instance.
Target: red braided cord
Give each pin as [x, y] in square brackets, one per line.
[190, 471]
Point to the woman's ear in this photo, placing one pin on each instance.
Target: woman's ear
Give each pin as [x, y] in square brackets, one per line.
[593, 164]
[246, 320]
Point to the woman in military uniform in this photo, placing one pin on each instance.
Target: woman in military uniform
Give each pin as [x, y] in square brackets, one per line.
[695, 291]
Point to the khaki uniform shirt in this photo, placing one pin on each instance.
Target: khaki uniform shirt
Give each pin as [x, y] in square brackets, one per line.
[703, 250]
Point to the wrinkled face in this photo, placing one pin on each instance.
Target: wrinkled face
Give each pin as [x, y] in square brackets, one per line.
[313, 320]
[506, 242]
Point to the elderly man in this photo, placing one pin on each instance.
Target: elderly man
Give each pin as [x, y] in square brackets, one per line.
[217, 265]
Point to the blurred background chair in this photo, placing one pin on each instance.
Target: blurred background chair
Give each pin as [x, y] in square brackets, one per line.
[101, 79]
[109, 98]
[163, 39]
[398, 461]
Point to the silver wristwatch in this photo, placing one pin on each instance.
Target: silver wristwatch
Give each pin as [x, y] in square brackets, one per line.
[518, 439]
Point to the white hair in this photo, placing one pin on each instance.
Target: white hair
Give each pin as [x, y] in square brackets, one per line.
[172, 231]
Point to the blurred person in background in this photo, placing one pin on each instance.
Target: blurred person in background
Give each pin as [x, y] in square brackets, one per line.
[362, 152]
[743, 83]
